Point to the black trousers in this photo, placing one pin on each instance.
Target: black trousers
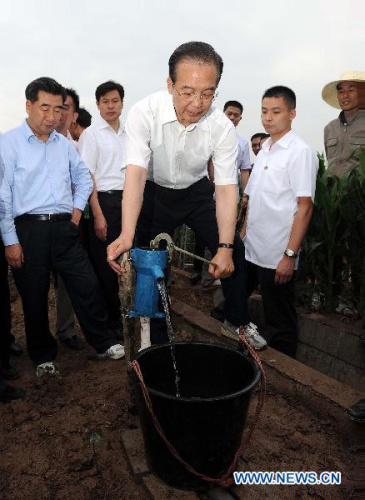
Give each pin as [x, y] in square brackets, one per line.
[165, 209]
[281, 320]
[57, 245]
[199, 250]
[5, 310]
[110, 204]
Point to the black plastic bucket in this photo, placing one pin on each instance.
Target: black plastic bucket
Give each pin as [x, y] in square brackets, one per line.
[205, 424]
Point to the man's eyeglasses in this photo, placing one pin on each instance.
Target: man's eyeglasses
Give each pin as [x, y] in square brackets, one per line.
[189, 96]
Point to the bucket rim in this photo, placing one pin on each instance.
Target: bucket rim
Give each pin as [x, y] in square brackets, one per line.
[248, 388]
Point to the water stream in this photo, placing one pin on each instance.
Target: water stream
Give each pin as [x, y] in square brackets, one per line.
[165, 303]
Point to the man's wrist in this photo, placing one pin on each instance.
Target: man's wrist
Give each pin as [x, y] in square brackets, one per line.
[288, 252]
[127, 239]
[226, 245]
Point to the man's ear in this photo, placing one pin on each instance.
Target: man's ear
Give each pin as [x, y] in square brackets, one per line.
[170, 87]
[27, 106]
[293, 114]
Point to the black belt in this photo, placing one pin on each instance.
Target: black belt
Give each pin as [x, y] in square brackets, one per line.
[49, 217]
[111, 191]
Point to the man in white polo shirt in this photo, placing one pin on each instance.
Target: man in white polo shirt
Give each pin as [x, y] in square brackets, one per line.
[101, 146]
[281, 191]
[170, 138]
[233, 111]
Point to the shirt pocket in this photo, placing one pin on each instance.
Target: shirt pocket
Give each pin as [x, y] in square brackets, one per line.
[356, 144]
[331, 142]
[274, 178]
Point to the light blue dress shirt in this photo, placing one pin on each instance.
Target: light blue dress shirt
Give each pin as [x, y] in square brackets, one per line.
[2, 205]
[39, 177]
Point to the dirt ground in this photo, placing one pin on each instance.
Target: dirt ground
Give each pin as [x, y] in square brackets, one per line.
[63, 440]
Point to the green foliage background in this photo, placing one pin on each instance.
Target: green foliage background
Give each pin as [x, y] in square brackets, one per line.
[334, 247]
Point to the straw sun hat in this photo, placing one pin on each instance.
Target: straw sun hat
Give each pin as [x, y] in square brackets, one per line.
[329, 92]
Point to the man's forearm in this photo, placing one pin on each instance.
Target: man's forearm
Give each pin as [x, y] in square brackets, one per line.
[94, 201]
[135, 181]
[226, 211]
[245, 175]
[244, 227]
[300, 223]
[7, 225]
[81, 180]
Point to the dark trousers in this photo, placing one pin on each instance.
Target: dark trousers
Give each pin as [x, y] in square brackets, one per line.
[281, 321]
[56, 245]
[110, 204]
[165, 209]
[5, 310]
[199, 250]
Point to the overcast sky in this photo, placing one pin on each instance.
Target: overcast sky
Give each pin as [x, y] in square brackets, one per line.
[303, 45]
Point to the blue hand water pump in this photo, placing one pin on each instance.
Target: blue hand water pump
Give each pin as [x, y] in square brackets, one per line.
[149, 265]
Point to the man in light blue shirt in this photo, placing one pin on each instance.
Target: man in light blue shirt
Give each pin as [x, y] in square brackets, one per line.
[45, 189]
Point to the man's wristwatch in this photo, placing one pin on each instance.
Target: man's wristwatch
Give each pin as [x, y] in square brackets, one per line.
[290, 253]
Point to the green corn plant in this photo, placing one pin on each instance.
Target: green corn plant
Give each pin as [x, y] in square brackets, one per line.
[325, 243]
[335, 240]
[353, 213]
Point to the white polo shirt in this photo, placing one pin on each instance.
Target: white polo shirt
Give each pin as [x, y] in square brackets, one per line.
[243, 157]
[282, 174]
[176, 156]
[103, 151]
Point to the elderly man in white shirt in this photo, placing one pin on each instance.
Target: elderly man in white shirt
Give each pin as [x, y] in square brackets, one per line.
[281, 191]
[170, 138]
[101, 146]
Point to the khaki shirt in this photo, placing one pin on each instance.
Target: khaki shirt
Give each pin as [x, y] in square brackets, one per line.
[343, 142]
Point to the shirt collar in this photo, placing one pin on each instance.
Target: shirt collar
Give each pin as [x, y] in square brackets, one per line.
[342, 118]
[352, 118]
[104, 124]
[283, 142]
[28, 132]
[168, 112]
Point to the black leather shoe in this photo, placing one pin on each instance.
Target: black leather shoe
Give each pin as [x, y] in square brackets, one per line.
[8, 373]
[73, 342]
[195, 278]
[357, 412]
[10, 393]
[15, 349]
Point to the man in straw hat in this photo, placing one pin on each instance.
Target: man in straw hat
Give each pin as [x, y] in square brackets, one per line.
[345, 136]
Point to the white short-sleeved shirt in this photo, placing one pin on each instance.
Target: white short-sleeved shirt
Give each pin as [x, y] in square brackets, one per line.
[282, 174]
[103, 151]
[176, 156]
[243, 157]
